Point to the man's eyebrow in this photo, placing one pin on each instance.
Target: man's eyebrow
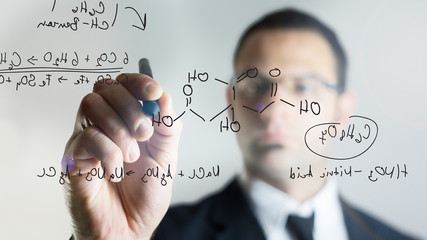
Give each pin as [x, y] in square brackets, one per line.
[306, 74]
[264, 76]
[242, 76]
[314, 76]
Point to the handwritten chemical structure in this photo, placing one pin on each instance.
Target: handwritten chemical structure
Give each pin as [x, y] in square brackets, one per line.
[50, 68]
[305, 106]
[86, 14]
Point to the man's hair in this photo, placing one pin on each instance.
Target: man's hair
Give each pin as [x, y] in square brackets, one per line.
[295, 19]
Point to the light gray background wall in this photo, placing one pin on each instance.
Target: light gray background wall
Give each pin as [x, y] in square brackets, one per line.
[385, 42]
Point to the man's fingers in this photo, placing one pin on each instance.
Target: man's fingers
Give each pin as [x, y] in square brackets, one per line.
[169, 122]
[92, 146]
[141, 86]
[126, 98]
[163, 145]
[100, 114]
[115, 121]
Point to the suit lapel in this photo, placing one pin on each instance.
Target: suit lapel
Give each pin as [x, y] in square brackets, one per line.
[356, 227]
[233, 216]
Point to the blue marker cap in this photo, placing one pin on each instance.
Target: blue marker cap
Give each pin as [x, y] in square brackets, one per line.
[150, 108]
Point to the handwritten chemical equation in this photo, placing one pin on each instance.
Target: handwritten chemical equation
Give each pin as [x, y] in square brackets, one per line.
[50, 68]
[396, 172]
[149, 174]
[94, 15]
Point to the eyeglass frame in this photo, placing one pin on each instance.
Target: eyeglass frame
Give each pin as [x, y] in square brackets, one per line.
[244, 75]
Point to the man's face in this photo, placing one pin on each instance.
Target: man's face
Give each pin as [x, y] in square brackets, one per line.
[272, 138]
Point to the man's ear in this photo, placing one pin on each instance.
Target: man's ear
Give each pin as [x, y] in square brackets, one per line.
[346, 107]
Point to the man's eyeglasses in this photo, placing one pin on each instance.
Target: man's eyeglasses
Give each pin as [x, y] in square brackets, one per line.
[301, 86]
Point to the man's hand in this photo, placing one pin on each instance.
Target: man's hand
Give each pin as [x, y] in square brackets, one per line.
[111, 131]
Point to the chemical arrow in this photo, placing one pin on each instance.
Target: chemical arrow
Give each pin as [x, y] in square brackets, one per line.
[62, 79]
[31, 59]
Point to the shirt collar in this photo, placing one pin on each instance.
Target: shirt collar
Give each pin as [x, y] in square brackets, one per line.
[272, 206]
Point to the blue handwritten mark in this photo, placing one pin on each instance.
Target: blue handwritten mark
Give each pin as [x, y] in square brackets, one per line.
[67, 163]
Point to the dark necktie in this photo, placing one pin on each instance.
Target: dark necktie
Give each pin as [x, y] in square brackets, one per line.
[300, 227]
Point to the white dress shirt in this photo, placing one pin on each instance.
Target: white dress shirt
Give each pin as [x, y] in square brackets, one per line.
[272, 207]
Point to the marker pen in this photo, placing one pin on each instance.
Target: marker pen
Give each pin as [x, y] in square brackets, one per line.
[149, 108]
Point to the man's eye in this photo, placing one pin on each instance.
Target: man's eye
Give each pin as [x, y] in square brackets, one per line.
[302, 89]
[256, 88]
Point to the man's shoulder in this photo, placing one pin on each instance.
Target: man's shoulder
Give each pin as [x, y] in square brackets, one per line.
[361, 224]
[185, 220]
[186, 213]
[228, 194]
[224, 214]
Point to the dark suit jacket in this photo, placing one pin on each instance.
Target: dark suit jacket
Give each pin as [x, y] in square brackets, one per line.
[227, 216]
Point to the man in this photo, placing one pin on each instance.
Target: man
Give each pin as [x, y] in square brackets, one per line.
[263, 202]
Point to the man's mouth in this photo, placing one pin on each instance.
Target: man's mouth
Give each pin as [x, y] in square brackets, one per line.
[261, 149]
[272, 138]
